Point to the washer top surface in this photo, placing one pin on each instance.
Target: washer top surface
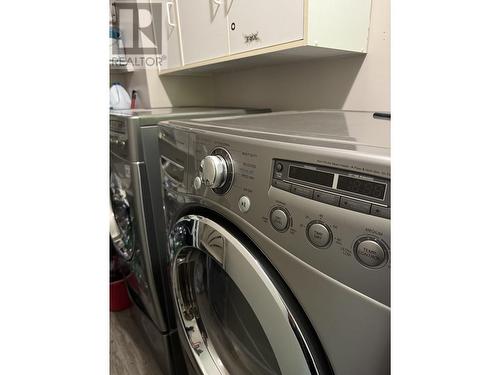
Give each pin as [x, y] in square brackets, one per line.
[319, 128]
[154, 115]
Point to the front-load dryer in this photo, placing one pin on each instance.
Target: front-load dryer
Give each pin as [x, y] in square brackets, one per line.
[137, 224]
[279, 242]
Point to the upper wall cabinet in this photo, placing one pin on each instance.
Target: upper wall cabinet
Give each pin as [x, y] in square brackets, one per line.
[171, 37]
[257, 24]
[204, 29]
[226, 34]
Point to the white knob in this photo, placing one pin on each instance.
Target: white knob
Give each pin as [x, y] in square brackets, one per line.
[197, 182]
[214, 171]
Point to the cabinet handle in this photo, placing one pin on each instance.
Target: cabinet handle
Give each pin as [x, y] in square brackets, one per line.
[218, 2]
[169, 4]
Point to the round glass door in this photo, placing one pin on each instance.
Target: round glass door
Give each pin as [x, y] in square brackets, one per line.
[122, 232]
[234, 319]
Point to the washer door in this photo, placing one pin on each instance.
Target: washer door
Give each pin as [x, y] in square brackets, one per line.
[121, 219]
[234, 313]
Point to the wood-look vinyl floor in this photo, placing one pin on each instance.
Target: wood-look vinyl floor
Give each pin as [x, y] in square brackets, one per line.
[129, 352]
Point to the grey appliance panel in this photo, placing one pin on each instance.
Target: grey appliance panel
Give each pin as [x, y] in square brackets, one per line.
[118, 137]
[142, 279]
[125, 133]
[329, 128]
[346, 301]
[174, 156]
[125, 137]
[152, 116]
[154, 217]
[164, 346]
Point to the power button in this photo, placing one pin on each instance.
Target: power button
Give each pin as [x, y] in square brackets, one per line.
[244, 204]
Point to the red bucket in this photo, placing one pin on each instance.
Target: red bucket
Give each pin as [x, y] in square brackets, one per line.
[118, 296]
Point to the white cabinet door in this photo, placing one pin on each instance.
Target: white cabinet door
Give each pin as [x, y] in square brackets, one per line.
[262, 23]
[204, 29]
[171, 42]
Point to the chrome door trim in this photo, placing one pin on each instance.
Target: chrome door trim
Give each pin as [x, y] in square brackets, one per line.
[291, 349]
[117, 237]
[116, 232]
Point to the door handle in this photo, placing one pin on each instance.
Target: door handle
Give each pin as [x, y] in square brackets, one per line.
[169, 20]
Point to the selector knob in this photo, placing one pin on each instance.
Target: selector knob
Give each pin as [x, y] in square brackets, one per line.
[214, 171]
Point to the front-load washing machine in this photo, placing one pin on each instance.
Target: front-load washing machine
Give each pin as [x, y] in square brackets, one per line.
[137, 224]
[279, 242]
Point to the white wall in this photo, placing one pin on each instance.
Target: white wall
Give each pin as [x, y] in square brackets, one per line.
[360, 82]
[155, 91]
[180, 90]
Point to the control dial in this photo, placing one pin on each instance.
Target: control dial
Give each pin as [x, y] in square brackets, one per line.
[213, 171]
[217, 171]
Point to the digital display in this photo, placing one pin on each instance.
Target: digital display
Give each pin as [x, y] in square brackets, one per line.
[312, 176]
[363, 187]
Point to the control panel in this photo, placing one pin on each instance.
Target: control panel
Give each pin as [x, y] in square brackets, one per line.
[117, 133]
[336, 187]
[330, 211]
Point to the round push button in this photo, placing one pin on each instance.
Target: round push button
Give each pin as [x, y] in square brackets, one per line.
[370, 253]
[197, 182]
[319, 234]
[244, 203]
[279, 219]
